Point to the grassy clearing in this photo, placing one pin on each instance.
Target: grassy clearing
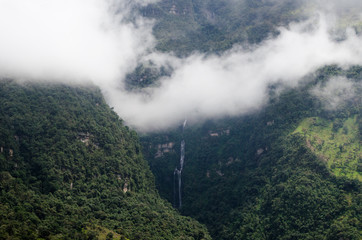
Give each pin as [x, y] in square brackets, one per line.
[339, 147]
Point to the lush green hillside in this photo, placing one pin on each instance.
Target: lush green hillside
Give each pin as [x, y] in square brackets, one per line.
[69, 169]
[336, 142]
[262, 176]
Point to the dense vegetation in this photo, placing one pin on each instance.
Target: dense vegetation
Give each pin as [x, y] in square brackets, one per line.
[187, 26]
[335, 142]
[259, 177]
[214, 26]
[184, 27]
[291, 170]
[69, 169]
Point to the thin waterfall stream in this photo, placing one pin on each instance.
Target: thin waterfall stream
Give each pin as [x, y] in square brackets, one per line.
[178, 172]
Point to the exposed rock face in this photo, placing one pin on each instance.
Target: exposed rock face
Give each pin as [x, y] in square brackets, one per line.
[259, 151]
[270, 123]
[87, 138]
[213, 134]
[219, 132]
[173, 10]
[164, 148]
[125, 188]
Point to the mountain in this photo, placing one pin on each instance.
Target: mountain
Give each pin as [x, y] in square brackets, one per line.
[287, 168]
[210, 27]
[215, 26]
[70, 169]
[289, 171]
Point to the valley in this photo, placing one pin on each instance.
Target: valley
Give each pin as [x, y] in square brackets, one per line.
[180, 120]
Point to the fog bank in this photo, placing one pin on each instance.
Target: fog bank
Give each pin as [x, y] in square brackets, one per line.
[100, 41]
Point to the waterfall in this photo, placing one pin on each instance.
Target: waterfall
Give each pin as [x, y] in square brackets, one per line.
[179, 171]
[184, 125]
[179, 188]
[182, 158]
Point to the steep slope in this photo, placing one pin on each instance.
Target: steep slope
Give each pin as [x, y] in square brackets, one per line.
[256, 177]
[69, 169]
[337, 142]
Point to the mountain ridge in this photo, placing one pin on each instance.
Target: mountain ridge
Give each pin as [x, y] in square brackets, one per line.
[71, 170]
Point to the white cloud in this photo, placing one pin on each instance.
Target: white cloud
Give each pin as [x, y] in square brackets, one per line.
[336, 92]
[236, 82]
[92, 40]
[77, 40]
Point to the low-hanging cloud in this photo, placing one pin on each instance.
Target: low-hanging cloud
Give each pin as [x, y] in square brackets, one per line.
[93, 40]
[69, 40]
[236, 82]
[336, 92]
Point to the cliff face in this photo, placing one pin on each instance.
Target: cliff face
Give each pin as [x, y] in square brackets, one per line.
[70, 169]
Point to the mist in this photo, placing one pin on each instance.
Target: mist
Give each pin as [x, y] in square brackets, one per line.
[72, 41]
[236, 82]
[100, 42]
[336, 92]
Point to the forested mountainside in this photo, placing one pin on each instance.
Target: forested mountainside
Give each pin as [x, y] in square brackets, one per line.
[287, 167]
[185, 27]
[69, 169]
[214, 26]
[290, 171]
[211, 27]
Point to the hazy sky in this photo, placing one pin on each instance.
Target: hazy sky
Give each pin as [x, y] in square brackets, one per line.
[92, 41]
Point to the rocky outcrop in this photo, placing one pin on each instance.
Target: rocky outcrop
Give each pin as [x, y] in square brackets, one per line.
[164, 148]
